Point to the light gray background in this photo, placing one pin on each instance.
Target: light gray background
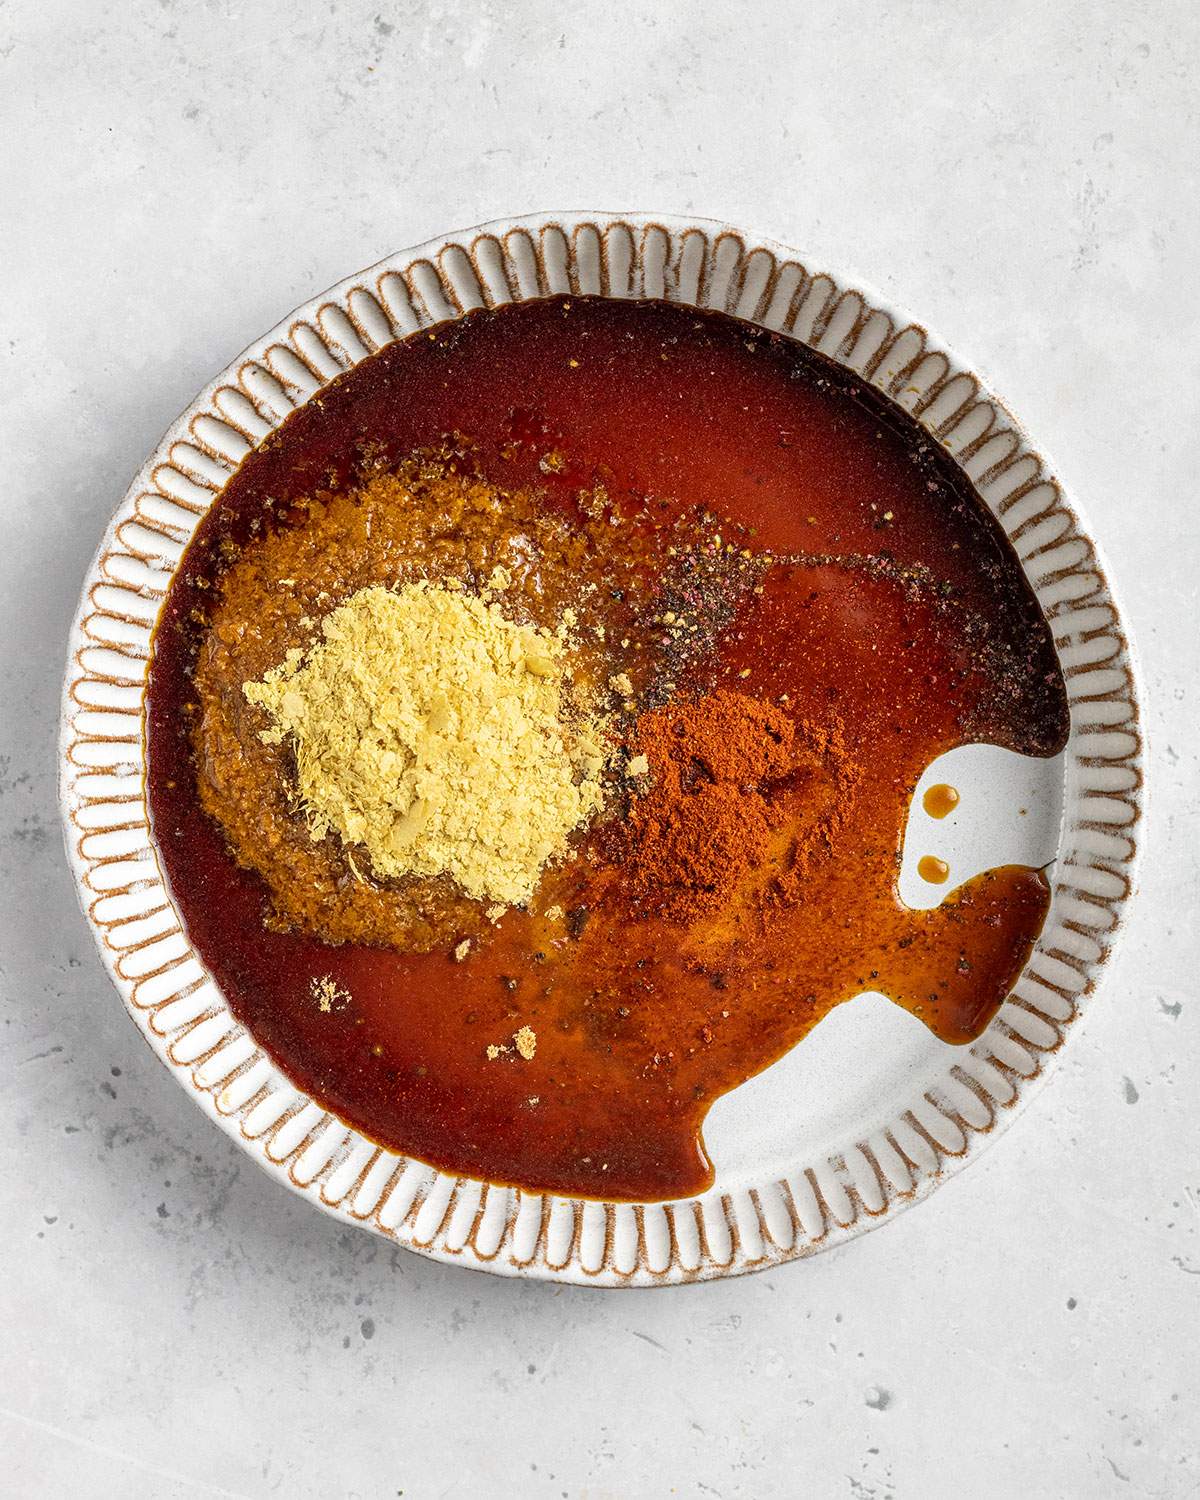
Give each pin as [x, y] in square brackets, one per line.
[173, 178]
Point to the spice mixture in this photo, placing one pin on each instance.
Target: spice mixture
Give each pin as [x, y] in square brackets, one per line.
[731, 779]
[533, 722]
[328, 610]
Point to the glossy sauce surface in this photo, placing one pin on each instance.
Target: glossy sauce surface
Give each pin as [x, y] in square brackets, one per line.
[940, 801]
[892, 604]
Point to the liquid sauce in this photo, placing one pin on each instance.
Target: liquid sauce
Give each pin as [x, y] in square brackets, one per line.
[895, 604]
[940, 801]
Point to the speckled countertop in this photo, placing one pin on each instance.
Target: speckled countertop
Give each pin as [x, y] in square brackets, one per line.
[176, 176]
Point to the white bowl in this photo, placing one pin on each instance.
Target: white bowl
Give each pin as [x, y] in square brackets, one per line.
[791, 1178]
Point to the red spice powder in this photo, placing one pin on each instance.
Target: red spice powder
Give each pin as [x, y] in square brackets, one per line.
[738, 786]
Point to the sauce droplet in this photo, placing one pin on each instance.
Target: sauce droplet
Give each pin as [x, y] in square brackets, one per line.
[940, 800]
[932, 869]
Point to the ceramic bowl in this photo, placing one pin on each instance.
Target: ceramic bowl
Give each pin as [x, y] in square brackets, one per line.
[871, 1112]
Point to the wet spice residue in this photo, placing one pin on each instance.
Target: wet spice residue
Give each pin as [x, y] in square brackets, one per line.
[784, 602]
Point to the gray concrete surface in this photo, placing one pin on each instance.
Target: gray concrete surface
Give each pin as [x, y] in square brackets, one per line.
[174, 177]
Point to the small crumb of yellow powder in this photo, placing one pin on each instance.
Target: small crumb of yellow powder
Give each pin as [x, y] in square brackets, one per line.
[525, 1042]
[328, 994]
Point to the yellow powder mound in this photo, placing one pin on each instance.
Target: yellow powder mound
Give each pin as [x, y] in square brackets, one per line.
[435, 733]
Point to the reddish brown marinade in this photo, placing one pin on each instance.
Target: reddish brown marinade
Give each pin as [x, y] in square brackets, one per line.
[891, 606]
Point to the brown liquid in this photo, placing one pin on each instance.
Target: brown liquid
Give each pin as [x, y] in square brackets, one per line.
[940, 801]
[918, 631]
[935, 871]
